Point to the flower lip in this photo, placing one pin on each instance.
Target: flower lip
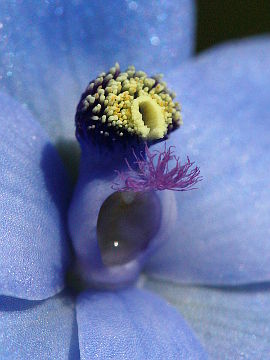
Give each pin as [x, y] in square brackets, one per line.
[127, 222]
[126, 108]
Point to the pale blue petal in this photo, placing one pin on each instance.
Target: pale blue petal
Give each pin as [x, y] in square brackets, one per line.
[231, 323]
[34, 195]
[38, 330]
[223, 229]
[50, 50]
[133, 324]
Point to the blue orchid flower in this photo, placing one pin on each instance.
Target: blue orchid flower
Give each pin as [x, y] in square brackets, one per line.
[49, 52]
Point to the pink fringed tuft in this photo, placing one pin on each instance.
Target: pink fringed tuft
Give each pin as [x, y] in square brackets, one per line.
[152, 173]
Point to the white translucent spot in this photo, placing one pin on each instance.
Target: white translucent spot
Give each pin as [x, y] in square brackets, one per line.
[244, 159]
[226, 141]
[1, 26]
[59, 11]
[133, 5]
[128, 197]
[115, 243]
[155, 40]
[162, 17]
[9, 73]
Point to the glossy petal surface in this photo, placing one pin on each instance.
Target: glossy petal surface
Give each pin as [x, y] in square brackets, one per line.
[223, 229]
[38, 330]
[34, 194]
[132, 324]
[50, 50]
[231, 323]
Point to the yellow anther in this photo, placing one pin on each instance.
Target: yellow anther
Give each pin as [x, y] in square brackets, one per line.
[133, 102]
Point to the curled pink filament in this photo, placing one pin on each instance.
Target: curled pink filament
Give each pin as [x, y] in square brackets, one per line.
[152, 172]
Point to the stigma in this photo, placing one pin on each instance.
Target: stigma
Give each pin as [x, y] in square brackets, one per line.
[125, 108]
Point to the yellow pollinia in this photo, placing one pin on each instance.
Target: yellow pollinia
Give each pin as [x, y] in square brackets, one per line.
[129, 103]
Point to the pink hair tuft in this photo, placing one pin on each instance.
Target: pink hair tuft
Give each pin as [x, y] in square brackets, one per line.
[152, 173]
